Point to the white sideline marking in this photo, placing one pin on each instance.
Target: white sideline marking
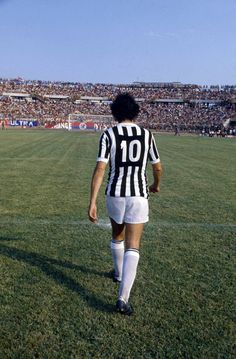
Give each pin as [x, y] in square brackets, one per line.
[105, 223]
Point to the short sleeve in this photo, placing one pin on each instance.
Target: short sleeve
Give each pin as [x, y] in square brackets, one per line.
[153, 151]
[104, 148]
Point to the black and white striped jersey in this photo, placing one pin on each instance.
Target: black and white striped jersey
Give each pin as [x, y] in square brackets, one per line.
[127, 147]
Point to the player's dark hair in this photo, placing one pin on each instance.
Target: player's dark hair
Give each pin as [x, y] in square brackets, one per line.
[124, 107]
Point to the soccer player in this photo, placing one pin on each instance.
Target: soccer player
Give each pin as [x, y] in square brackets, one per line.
[127, 147]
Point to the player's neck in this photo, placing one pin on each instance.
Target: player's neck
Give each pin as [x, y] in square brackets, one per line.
[127, 121]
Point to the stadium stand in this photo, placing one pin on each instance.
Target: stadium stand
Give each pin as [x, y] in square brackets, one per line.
[164, 106]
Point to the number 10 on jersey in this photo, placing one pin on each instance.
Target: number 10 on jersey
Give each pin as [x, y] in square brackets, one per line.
[131, 151]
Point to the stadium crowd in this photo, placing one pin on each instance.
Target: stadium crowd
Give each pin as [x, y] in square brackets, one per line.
[164, 106]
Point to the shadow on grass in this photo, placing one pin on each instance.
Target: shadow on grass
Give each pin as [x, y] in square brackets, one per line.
[47, 266]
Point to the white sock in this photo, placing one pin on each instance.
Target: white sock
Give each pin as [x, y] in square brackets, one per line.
[130, 265]
[117, 251]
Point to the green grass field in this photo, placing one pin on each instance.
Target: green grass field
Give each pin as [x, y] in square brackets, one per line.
[57, 300]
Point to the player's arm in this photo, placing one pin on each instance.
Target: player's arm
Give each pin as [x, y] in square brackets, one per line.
[157, 173]
[96, 183]
[156, 166]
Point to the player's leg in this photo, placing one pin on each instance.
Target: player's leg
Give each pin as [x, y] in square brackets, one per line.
[116, 210]
[118, 230]
[136, 215]
[117, 248]
[133, 235]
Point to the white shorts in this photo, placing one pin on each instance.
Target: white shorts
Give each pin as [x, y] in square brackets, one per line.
[128, 209]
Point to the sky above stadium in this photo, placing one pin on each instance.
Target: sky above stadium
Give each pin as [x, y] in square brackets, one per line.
[119, 41]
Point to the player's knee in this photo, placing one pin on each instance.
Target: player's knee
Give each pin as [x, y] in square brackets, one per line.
[118, 236]
[132, 243]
